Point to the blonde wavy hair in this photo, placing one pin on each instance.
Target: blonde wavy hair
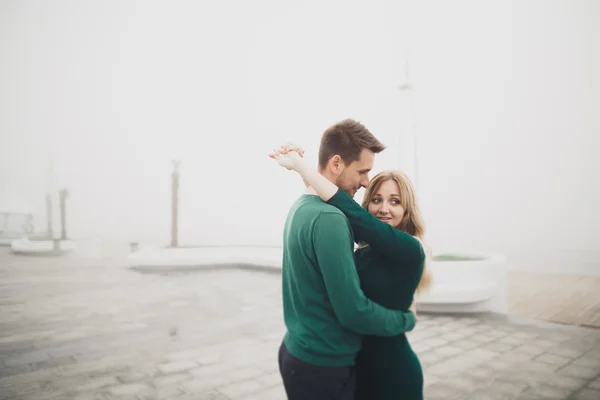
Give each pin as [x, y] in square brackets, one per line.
[412, 222]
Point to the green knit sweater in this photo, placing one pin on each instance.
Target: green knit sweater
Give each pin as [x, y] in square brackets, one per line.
[325, 311]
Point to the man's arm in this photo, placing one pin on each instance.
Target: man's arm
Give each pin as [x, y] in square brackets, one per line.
[333, 248]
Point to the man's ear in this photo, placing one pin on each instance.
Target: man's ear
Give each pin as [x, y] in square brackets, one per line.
[336, 164]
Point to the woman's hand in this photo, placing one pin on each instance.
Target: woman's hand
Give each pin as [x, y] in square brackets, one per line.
[413, 308]
[283, 159]
[286, 154]
[291, 146]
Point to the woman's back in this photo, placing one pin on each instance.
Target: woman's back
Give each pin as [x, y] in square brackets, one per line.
[393, 286]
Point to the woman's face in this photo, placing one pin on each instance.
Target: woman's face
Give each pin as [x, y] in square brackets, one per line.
[385, 203]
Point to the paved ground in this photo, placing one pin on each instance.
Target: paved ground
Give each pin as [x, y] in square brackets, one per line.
[567, 299]
[75, 330]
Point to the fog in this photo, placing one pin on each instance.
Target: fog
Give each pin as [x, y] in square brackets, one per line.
[492, 109]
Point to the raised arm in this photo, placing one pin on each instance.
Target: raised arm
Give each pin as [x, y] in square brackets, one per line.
[332, 243]
[397, 245]
[322, 186]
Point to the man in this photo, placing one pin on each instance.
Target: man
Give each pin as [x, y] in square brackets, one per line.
[325, 311]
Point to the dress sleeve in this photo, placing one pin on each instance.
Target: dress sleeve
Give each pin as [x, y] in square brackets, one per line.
[396, 245]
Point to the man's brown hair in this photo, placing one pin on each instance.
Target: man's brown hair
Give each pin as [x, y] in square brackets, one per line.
[347, 139]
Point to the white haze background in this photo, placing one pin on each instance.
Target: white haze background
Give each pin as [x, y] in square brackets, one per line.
[506, 98]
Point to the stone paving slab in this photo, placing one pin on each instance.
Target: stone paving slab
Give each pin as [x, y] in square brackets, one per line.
[71, 329]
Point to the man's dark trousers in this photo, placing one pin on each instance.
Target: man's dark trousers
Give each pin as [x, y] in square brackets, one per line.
[304, 381]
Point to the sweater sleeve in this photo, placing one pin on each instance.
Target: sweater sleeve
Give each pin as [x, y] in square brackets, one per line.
[332, 241]
[396, 245]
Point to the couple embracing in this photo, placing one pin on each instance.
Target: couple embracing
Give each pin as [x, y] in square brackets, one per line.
[346, 310]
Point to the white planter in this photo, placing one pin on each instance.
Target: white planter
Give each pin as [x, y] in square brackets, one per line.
[471, 285]
[40, 247]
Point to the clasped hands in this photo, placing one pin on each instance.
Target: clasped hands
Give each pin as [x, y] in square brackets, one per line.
[287, 155]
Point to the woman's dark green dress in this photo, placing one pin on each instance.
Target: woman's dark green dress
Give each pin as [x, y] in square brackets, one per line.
[390, 269]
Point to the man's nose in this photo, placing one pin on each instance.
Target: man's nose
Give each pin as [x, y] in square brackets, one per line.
[365, 182]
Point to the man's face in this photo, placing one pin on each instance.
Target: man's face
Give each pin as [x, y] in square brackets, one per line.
[356, 175]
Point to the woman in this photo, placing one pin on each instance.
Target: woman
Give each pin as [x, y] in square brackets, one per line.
[390, 273]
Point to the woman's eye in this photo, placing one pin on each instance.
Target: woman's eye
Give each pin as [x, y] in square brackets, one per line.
[376, 201]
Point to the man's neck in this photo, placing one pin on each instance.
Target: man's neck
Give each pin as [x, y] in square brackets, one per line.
[310, 190]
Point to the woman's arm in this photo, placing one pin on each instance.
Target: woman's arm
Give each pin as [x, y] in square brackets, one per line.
[283, 158]
[384, 238]
[323, 186]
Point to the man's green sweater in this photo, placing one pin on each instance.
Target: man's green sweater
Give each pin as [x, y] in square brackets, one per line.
[325, 311]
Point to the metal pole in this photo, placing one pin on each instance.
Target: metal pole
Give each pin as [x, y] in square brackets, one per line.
[408, 87]
[415, 140]
[49, 215]
[175, 205]
[63, 213]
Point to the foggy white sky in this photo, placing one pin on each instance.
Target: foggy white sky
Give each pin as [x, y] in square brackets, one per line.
[506, 99]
